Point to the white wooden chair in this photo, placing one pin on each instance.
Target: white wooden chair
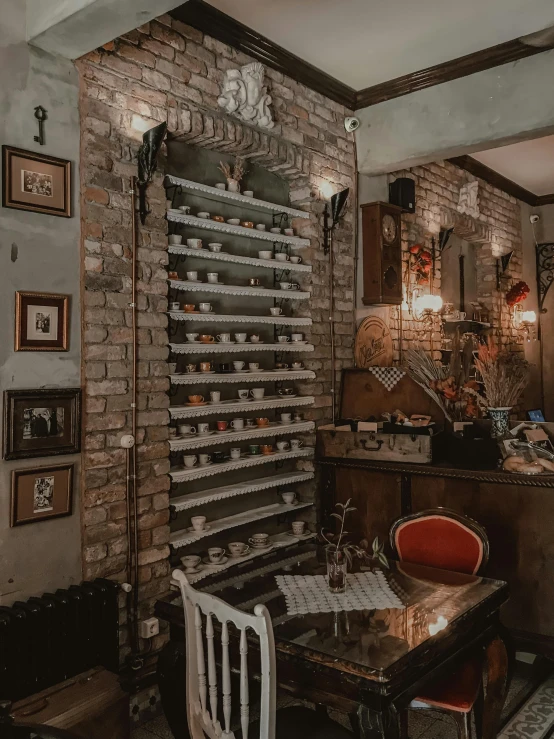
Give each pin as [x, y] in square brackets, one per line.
[202, 680]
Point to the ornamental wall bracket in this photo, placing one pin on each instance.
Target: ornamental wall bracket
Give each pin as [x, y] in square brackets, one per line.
[468, 202]
[545, 271]
[244, 94]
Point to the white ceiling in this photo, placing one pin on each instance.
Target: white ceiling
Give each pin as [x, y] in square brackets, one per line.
[529, 163]
[364, 42]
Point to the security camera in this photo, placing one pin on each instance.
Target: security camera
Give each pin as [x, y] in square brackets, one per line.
[534, 219]
[351, 124]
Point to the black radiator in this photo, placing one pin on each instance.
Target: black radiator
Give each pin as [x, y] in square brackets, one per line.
[46, 640]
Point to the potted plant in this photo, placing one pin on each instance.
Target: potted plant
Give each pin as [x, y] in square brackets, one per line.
[339, 552]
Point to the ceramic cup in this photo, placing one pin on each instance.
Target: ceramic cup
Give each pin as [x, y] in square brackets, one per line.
[194, 243]
[220, 185]
[235, 453]
[198, 523]
[257, 392]
[249, 423]
[189, 307]
[173, 275]
[261, 422]
[248, 193]
[215, 554]
[238, 549]
[215, 247]
[286, 392]
[175, 239]
[185, 429]
[172, 432]
[283, 339]
[286, 417]
[184, 209]
[222, 425]
[225, 338]
[196, 398]
[255, 338]
[240, 338]
[213, 277]
[215, 396]
[172, 367]
[275, 230]
[192, 337]
[238, 365]
[190, 562]
[203, 428]
[233, 221]
[283, 446]
[205, 366]
[218, 219]
[297, 337]
[247, 224]
[175, 306]
[237, 424]
[205, 307]
[253, 366]
[192, 276]
[296, 443]
[259, 540]
[243, 394]
[254, 282]
[275, 311]
[297, 365]
[297, 417]
[266, 448]
[265, 255]
[281, 257]
[296, 260]
[254, 449]
[207, 338]
[190, 368]
[285, 285]
[203, 214]
[190, 460]
[289, 497]
[289, 232]
[281, 366]
[204, 459]
[260, 227]
[218, 456]
[298, 527]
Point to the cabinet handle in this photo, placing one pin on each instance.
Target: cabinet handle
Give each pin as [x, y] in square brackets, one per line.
[366, 445]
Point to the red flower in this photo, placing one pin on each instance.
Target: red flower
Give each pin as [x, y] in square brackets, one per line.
[517, 293]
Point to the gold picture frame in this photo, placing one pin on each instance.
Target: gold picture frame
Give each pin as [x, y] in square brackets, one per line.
[41, 322]
[41, 493]
[36, 182]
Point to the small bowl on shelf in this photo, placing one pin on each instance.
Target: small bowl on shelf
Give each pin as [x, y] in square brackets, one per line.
[247, 224]
[219, 219]
[233, 221]
[203, 214]
[275, 230]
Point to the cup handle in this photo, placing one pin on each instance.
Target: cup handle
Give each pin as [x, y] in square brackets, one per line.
[192, 430]
[195, 461]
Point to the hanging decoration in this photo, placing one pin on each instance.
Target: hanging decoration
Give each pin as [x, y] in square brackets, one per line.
[517, 293]
[421, 263]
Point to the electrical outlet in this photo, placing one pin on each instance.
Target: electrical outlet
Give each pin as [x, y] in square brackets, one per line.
[149, 627]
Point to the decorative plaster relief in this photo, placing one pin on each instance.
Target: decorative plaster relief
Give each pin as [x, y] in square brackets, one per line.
[469, 199]
[244, 94]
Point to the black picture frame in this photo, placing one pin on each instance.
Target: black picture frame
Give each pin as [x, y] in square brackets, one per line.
[41, 493]
[42, 422]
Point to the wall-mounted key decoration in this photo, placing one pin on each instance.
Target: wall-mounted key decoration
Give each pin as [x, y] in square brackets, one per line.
[41, 115]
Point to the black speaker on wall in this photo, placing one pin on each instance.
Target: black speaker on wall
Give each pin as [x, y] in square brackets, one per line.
[402, 193]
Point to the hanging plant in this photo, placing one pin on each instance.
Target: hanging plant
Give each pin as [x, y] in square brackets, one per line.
[517, 293]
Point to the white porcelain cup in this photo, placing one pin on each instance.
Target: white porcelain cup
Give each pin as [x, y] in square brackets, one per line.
[237, 424]
[296, 260]
[220, 185]
[238, 548]
[215, 396]
[283, 446]
[260, 226]
[203, 214]
[235, 453]
[213, 277]
[281, 257]
[283, 339]
[203, 428]
[190, 562]
[257, 392]
[186, 429]
[175, 239]
[286, 417]
[193, 275]
[248, 193]
[285, 285]
[296, 443]
[215, 554]
[288, 497]
[275, 311]
[259, 540]
[298, 527]
[192, 337]
[238, 365]
[242, 393]
[175, 306]
[240, 338]
[172, 367]
[255, 338]
[215, 246]
[198, 523]
[275, 230]
[297, 365]
[190, 460]
[204, 459]
[184, 209]
[253, 366]
[265, 255]
[194, 243]
[297, 337]
[205, 307]
[289, 231]
[225, 338]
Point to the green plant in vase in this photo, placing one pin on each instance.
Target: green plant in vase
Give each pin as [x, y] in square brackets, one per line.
[339, 552]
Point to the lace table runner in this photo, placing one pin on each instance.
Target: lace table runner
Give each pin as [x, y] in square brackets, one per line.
[311, 594]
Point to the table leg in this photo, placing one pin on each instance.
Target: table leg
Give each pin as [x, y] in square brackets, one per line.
[497, 680]
[383, 724]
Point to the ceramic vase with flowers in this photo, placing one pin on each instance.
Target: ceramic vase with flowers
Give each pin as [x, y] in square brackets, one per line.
[234, 175]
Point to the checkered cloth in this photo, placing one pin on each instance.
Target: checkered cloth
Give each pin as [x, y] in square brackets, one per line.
[311, 594]
[387, 376]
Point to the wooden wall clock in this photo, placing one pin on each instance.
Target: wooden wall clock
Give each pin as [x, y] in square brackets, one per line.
[382, 254]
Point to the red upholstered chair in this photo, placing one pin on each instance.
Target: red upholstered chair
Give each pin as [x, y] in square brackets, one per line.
[444, 539]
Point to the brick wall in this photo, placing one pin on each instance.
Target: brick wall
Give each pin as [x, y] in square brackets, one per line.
[168, 71]
[497, 231]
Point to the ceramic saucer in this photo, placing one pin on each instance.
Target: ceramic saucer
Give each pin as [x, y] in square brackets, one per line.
[255, 342]
[199, 567]
[305, 535]
[283, 369]
[221, 562]
[201, 436]
[201, 467]
[193, 341]
[183, 436]
[209, 372]
[193, 282]
[286, 397]
[227, 431]
[196, 405]
[295, 343]
[207, 527]
[225, 343]
[261, 549]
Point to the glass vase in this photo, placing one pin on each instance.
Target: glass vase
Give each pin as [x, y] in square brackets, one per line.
[500, 422]
[336, 570]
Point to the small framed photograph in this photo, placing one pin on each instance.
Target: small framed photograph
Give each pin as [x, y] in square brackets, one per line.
[536, 415]
[36, 182]
[41, 493]
[41, 423]
[41, 322]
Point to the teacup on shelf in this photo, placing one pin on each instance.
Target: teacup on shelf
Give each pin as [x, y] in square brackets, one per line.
[238, 549]
[248, 193]
[266, 254]
[175, 239]
[215, 247]
[220, 185]
[233, 221]
[203, 214]
[260, 226]
[218, 219]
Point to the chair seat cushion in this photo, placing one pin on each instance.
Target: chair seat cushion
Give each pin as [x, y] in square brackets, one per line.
[298, 722]
[459, 691]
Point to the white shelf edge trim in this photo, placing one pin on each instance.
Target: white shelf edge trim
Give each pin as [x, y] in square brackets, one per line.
[237, 259]
[218, 318]
[236, 348]
[235, 197]
[183, 538]
[178, 445]
[239, 407]
[198, 473]
[246, 378]
[177, 216]
[185, 502]
[255, 292]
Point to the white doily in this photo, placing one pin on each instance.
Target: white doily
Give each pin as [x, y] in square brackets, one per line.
[387, 376]
[311, 594]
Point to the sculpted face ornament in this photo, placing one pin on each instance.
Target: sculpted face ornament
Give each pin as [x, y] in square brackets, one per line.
[245, 95]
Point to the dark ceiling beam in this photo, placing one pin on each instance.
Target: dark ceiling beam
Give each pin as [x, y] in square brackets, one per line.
[218, 25]
[494, 178]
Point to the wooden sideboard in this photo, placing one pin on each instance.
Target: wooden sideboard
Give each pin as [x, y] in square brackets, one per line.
[518, 514]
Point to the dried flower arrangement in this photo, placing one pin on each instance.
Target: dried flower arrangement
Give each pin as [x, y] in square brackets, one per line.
[337, 543]
[421, 263]
[517, 293]
[504, 375]
[237, 173]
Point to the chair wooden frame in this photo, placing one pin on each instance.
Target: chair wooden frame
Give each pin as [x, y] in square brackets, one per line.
[202, 693]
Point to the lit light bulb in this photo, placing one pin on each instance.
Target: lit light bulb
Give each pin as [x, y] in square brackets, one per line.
[431, 303]
[529, 316]
[327, 190]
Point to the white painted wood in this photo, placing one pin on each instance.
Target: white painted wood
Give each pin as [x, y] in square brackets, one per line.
[238, 406]
[238, 348]
[274, 429]
[213, 193]
[226, 677]
[222, 256]
[199, 719]
[183, 537]
[176, 216]
[212, 672]
[253, 292]
[198, 473]
[192, 500]
[200, 664]
[181, 315]
[246, 378]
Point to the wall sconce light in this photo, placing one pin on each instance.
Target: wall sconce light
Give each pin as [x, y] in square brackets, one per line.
[524, 320]
[332, 214]
[147, 163]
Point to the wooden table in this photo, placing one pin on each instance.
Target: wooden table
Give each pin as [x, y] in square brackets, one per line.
[370, 664]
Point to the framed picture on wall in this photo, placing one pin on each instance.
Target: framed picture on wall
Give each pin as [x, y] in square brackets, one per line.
[41, 493]
[40, 423]
[41, 322]
[36, 182]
